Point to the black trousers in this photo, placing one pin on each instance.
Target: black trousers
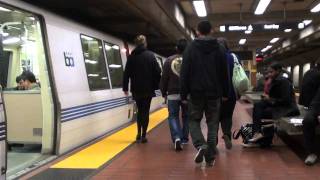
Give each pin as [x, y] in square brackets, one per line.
[226, 112]
[310, 122]
[261, 110]
[143, 105]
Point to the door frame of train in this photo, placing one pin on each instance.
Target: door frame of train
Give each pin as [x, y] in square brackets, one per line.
[3, 167]
[54, 92]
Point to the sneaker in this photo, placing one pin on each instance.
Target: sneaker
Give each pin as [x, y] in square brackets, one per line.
[250, 145]
[199, 156]
[311, 159]
[144, 140]
[177, 145]
[138, 139]
[227, 141]
[256, 137]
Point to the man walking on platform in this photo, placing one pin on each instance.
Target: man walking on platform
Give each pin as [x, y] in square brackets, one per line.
[170, 88]
[204, 83]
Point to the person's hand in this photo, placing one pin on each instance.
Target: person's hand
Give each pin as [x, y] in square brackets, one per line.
[224, 99]
[126, 93]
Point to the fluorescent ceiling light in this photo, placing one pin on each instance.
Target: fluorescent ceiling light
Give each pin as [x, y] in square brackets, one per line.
[114, 66]
[104, 78]
[242, 41]
[301, 25]
[274, 40]
[271, 26]
[11, 40]
[316, 8]
[307, 22]
[266, 48]
[200, 8]
[93, 75]
[248, 32]
[287, 30]
[86, 38]
[115, 47]
[250, 28]
[32, 18]
[91, 61]
[222, 28]
[4, 9]
[107, 47]
[262, 6]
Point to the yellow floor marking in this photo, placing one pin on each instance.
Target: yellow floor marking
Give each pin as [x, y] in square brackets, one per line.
[99, 153]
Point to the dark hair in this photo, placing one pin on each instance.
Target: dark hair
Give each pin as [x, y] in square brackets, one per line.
[204, 27]
[223, 42]
[140, 40]
[27, 75]
[276, 66]
[19, 78]
[181, 45]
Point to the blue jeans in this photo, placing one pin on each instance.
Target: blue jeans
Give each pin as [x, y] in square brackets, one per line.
[174, 121]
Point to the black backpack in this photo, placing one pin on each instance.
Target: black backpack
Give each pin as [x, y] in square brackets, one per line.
[246, 132]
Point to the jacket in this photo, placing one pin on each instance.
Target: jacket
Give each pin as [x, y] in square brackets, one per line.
[282, 98]
[170, 81]
[144, 73]
[309, 87]
[204, 70]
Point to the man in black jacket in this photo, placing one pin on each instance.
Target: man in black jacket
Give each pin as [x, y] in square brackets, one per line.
[144, 73]
[170, 88]
[204, 80]
[310, 98]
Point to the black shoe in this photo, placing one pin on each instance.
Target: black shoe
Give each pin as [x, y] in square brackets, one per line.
[177, 145]
[210, 163]
[138, 139]
[199, 156]
[144, 140]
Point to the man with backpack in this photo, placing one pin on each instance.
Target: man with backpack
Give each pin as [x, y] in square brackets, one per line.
[170, 89]
[204, 83]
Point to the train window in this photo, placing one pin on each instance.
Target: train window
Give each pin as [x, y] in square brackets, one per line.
[296, 71]
[114, 64]
[95, 63]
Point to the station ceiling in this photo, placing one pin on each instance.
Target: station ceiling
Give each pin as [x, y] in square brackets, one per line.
[157, 19]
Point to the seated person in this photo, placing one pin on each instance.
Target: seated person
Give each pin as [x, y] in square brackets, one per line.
[19, 86]
[278, 103]
[30, 82]
[310, 98]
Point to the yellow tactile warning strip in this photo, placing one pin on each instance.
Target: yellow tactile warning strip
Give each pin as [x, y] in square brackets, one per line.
[101, 152]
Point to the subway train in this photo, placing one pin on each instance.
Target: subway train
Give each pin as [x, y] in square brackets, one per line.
[80, 72]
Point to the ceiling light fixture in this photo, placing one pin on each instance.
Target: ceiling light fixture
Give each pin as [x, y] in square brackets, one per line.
[86, 38]
[287, 30]
[4, 9]
[248, 32]
[301, 25]
[262, 6]
[200, 8]
[11, 40]
[307, 22]
[274, 40]
[316, 8]
[242, 41]
[271, 26]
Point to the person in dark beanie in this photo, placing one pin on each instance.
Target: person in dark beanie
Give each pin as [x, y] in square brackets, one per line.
[170, 88]
[144, 74]
[204, 83]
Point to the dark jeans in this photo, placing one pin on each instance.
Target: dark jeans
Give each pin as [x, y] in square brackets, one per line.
[174, 120]
[261, 110]
[310, 123]
[226, 112]
[143, 105]
[211, 108]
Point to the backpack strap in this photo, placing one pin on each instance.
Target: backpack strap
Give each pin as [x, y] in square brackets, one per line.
[237, 134]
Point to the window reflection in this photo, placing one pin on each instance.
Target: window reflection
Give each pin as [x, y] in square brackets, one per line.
[114, 64]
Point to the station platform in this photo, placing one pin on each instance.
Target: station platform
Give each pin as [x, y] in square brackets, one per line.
[117, 157]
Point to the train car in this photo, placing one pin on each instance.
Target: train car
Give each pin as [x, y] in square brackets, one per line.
[79, 70]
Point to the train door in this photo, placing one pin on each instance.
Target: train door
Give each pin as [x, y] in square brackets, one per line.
[3, 150]
[27, 94]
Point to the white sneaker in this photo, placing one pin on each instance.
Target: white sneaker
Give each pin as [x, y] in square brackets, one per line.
[250, 145]
[256, 137]
[311, 159]
[177, 145]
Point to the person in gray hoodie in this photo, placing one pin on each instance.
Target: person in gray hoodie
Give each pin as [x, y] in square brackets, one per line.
[204, 84]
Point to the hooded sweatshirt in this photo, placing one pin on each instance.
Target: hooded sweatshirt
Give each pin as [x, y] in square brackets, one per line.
[144, 73]
[204, 70]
